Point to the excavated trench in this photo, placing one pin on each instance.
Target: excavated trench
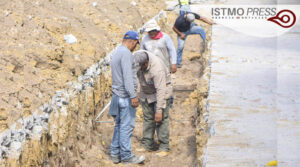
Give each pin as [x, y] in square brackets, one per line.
[64, 133]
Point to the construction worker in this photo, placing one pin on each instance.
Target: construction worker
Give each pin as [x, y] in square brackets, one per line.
[160, 44]
[155, 93]
[185, 26]
[184, 6]
[124, 100]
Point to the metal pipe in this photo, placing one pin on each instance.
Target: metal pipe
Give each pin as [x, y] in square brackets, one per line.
[102, 111]
[104, 122]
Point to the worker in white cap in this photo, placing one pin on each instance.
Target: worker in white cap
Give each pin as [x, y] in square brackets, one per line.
[160, 44]
[185, 26]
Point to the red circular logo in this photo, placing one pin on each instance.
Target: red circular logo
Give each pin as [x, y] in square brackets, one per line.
[284, 18]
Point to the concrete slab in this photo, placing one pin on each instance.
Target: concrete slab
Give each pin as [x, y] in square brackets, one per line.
[242, 100]
[254, 100]
[288, 99]
[254, 97]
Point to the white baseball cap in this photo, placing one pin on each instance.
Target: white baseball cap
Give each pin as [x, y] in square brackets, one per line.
[152, 25]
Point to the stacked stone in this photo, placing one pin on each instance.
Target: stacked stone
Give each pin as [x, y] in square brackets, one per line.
[3, 118]
[34, 125]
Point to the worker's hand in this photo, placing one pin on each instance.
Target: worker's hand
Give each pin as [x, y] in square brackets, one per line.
[174, 68]
[135, 102]
[158, 117]
[182, 36]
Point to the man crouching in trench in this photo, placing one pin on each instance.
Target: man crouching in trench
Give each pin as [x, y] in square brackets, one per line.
[155, 94]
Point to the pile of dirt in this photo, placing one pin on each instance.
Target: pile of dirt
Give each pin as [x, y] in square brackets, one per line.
[35, 59]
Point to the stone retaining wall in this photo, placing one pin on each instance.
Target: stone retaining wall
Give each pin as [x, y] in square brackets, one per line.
[71, 111]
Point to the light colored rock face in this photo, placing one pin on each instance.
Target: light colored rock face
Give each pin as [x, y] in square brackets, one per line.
[37, 138]
[3, 119]
[35, 60]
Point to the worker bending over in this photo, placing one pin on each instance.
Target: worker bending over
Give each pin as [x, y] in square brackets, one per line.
[155, 93]
[184, 26]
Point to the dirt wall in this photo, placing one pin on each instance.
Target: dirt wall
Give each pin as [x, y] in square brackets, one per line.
[35, 59]
[48, 93]
[50, 123]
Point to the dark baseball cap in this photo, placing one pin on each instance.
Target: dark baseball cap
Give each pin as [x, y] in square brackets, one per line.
[131, 35]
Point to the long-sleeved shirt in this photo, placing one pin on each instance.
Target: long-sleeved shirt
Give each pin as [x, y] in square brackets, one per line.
[163, 48]
[124, 75]
[155, 83]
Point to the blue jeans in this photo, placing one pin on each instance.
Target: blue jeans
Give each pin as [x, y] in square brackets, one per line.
[124, 125]
[193, 30]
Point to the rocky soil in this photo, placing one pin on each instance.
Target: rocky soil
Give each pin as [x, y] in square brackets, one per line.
[188, 126]
[36, 61]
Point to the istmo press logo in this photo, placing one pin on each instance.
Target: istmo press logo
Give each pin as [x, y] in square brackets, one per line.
[256, 20]
[284, 18]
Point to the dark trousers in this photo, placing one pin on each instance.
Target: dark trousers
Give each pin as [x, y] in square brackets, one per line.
[149, 127]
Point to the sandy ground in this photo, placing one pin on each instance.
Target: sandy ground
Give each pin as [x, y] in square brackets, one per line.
[36, 61]
[183, 116]
[182, 130]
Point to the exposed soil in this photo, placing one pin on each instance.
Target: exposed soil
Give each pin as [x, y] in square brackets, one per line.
[182, 130]
[185, 121]
[36, 61]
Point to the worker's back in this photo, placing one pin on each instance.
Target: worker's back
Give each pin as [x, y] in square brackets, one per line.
[156, 69]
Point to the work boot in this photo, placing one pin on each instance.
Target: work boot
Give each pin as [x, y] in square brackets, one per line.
[134, 160]
[115, 160]
[162, 153]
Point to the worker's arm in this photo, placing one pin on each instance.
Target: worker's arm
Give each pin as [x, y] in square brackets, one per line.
[126, 65]
[206, 20]
[159, 80]
[182, 35]
[172, 53]
[202, 19]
